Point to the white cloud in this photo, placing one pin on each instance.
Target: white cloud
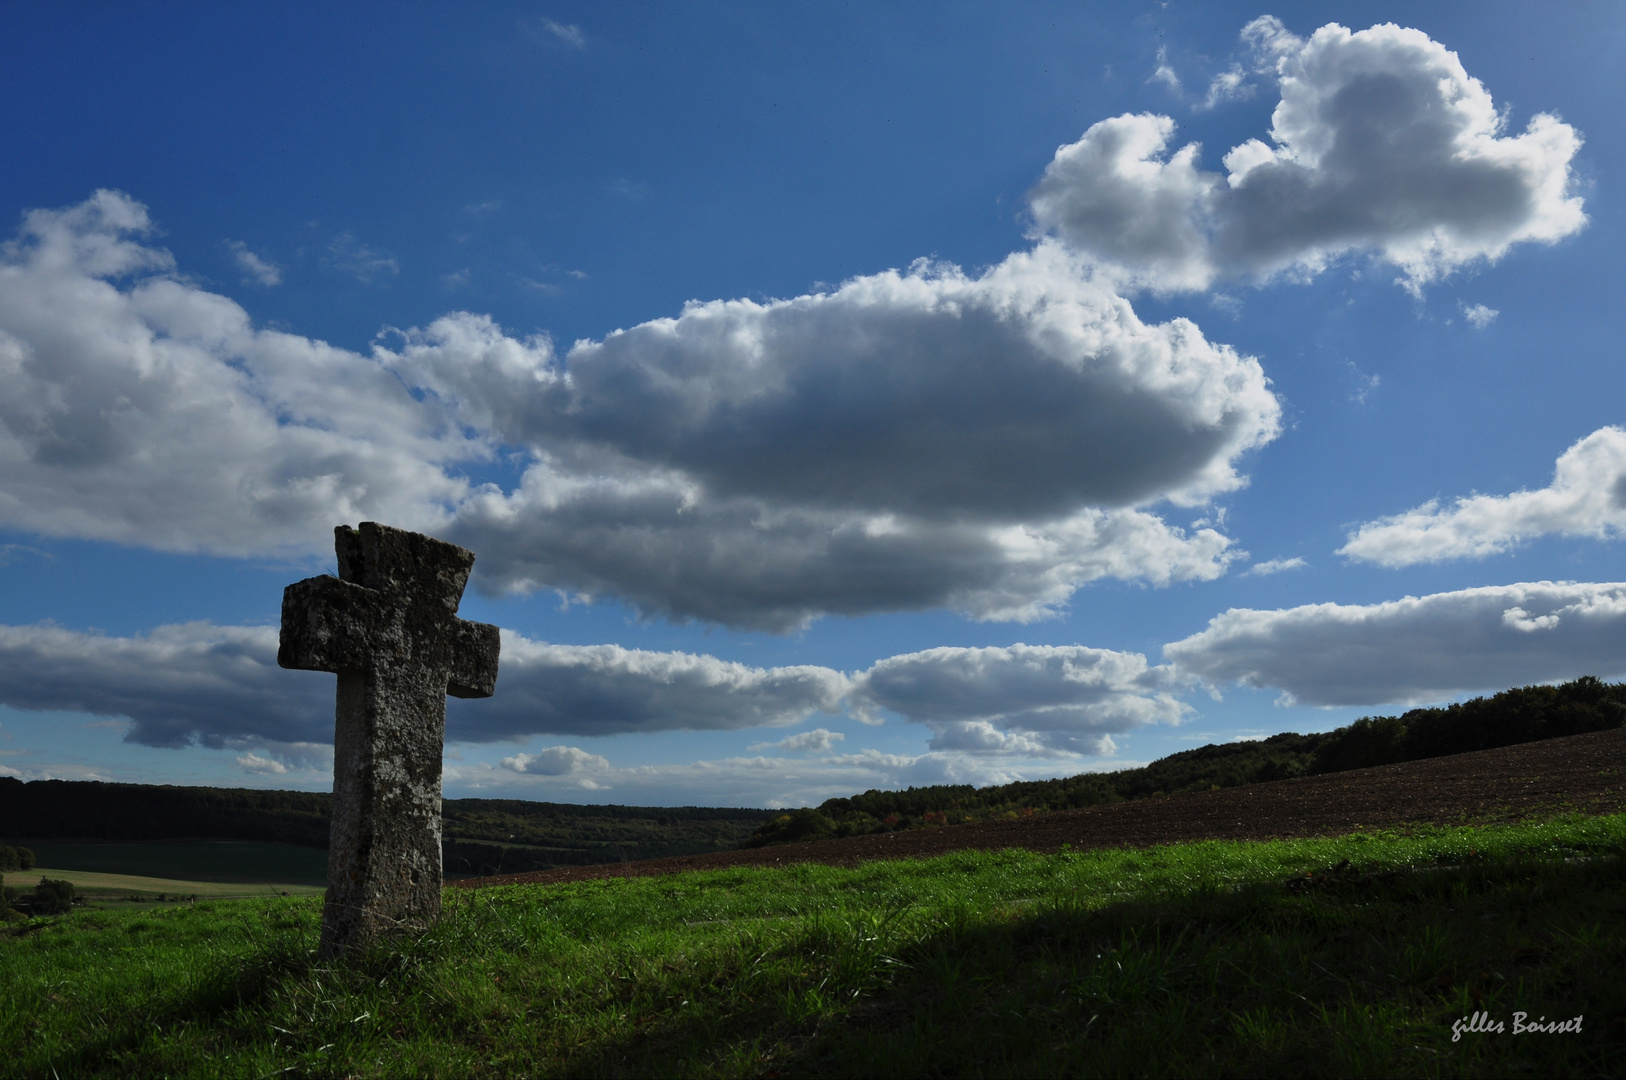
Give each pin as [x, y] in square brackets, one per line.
[1025, 394]
[260, 271]
[1417, 649]
[1229, 85]
[907, 441]
[360, 261]
[568, 34]
[144, 410]
[1020, 699]
[58, 771]
[582, 769]
[1165, 74]
[259, 765]
[1273, 566]
[748, 781]
[1381, 142]
[1479, 315]
[818, 741]
[1270, 42]
[1586, 498]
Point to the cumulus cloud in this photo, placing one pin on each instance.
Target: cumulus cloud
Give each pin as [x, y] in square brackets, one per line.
[911, 440]
[1586, 498]
[905, 441]
[142, 409]
[1025, 393]
[1479, 316]
[1417, 649]
[260, 765]
[1381, 142]
[260, 271]
[609, 690]
[582, 769]
[1020, 699]
[817, 741]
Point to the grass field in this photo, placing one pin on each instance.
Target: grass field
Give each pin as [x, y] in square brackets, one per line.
[1350, 956]
[104, 889]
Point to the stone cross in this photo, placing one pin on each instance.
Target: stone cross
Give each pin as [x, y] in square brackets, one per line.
[388, 627]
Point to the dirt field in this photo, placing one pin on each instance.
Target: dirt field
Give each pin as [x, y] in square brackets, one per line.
[1583, 772]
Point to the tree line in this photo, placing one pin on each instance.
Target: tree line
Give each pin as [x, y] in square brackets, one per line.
[482, 836]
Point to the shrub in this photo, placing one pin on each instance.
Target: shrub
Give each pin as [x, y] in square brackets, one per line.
[52, 897]
[798, 825]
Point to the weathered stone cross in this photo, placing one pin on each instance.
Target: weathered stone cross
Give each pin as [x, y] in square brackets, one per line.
[388, 626]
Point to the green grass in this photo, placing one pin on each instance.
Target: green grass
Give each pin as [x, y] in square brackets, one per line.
[1336, 957]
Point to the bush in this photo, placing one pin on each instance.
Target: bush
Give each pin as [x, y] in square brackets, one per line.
[15, 858]
[52, 897]
[798, 825]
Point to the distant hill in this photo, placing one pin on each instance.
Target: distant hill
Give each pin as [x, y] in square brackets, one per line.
[482, 835]
[1524, 714]
[489, 836]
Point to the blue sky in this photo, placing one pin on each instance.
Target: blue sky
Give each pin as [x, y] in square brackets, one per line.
[834, 396]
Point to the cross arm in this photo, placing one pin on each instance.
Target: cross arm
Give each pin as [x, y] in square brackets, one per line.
[474, 660]
[334, 625]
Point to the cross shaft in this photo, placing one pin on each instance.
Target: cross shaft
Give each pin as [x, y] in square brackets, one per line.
[388, 627]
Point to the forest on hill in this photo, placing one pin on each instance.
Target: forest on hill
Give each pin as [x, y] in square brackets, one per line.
[482, 836]
[1523, 714]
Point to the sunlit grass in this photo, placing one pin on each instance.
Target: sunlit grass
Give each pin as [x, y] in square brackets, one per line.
[109, 888]
[1346, 956]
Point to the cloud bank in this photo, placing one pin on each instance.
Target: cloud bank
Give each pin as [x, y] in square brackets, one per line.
[608, 690]
[220, 686]
[1030, 699]
[179, 683]
[1586, 498]
[1381, 142]
[907, 441]
[197, 682]
[563, 772]
[1418, 649]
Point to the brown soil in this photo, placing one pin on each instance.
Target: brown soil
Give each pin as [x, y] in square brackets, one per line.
[1583, 772]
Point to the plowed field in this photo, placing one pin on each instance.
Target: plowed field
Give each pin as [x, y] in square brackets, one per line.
[1583, 772]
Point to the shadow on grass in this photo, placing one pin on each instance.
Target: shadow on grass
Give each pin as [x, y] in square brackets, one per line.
[220, 985]
[1338, 974]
